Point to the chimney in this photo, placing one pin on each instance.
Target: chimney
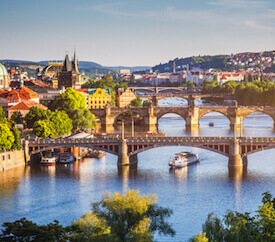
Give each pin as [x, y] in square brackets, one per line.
[174, 67]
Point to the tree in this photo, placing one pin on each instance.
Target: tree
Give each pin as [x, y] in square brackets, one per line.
[25, 230]
[45, 129]
[125, 218]
[34, 115]
[68, 101]
[136, 102]
[241, 226]
[61, 122]
[190, 84]
[17, 117]
[6, 137]
[16, 144]
[3, 119]
[82, 118]
[146, 103]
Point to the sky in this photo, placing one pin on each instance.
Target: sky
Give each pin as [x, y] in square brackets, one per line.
[134, 32]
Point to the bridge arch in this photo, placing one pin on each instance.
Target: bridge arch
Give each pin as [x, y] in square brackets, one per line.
[272, 116]
[170, 111]
[46, 148]
[268, 147]
[205, 112]
[177, 144]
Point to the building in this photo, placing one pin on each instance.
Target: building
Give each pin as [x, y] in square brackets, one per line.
[176, 77]
[4, 77]
[24, 108]
[99, 98]
[125, 71]
[124, 97]
[50, 71]
[69, 75]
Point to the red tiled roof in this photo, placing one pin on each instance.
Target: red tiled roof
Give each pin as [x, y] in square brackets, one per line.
[26, 105]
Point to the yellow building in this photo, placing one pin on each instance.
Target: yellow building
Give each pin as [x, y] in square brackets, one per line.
[98, 98]
[124, 97]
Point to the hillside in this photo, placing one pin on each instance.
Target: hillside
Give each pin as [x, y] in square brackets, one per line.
[236, 62]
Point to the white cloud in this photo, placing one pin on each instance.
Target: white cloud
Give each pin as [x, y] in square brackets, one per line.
[253, 24]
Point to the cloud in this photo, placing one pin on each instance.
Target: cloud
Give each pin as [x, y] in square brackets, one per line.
[239, 3]
[253, 24]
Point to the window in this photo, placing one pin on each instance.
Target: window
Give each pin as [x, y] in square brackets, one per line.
[3, 157]
[9, 156]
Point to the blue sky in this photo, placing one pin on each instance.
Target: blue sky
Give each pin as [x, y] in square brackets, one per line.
[134, 32]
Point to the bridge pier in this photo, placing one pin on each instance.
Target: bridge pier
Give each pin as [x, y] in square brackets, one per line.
[192, 120]
[26, 151]
[123, 158]
[236, 122]
[151, 120]
[155, 101]
[235, 158]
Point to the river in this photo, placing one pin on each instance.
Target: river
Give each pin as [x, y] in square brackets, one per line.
[43, 194]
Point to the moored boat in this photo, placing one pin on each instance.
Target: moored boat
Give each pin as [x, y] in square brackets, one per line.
[66, 158]
[184, 159]
[48, 160]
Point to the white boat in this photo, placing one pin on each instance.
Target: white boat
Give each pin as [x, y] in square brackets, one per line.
[48, 160]
[184, 159]
[66, 158]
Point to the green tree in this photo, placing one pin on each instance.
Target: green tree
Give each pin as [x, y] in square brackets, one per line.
[129, 217]
[137, 102]
[190, 84]
[121, 85]
[35, 114]
[146, 103]
[3, 118]
[83, 119]
[68, 101]
[6, 137]
[16, 144]
[242, 227]
[25, 230]
[61, 122]
[44, 128]
[17, 117]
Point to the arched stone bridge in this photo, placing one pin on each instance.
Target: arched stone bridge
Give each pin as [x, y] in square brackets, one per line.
[189, 97]
[191, 115]
[160, 89]
[236, 149]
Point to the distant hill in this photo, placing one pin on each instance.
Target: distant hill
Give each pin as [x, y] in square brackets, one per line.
[236, 62]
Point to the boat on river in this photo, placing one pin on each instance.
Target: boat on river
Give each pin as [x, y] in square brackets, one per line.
[184, 159]
[49, 160]
[66, 158]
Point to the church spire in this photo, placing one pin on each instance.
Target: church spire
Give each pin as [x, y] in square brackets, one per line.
[75, 63]
[66, 64]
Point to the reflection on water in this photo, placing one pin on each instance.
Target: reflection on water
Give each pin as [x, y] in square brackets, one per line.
[43, 194]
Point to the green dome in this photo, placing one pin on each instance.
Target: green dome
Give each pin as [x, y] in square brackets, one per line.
[3, 70]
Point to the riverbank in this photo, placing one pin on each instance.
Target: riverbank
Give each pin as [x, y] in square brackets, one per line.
[11, 159]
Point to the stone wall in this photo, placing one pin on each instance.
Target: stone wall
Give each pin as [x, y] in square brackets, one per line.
[10, 159]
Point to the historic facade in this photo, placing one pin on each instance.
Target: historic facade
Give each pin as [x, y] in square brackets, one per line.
[4, 77]
[99, 98]
[69, 75]
[124, 97]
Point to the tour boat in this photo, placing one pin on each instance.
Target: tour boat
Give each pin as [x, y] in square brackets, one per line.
[48, 160]
[66, 158]
[184, 159]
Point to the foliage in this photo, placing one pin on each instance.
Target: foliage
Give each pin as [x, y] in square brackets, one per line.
[25, 230]
[45, 129]
[246, 93]
[137, 102]
[237, 226]
[61, 122]
[126, 217]
[146, 103]
[16, 144]
[129, 217]
[3, 119]
[82, 118]
[201, 237]
[68, 101]
[121, 85]
[35, 114]
[17, 117]
[6, 137]
[190, 84]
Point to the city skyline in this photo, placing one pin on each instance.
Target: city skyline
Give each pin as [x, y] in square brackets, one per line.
[134, 33]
